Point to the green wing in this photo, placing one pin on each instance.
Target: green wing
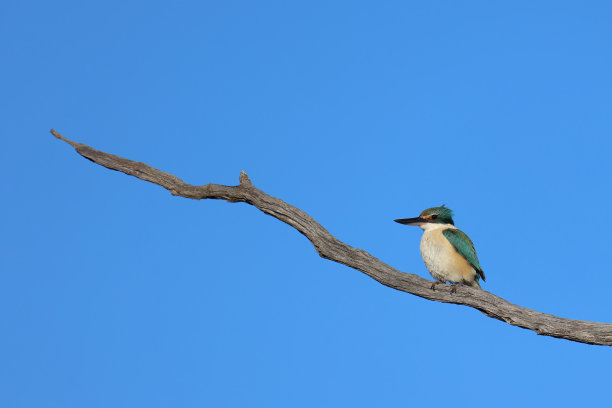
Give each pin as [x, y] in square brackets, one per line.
[463, 244]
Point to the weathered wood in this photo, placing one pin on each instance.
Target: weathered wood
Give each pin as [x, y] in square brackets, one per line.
[331, 248]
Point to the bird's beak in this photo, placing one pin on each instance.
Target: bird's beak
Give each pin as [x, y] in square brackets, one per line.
[411, 221]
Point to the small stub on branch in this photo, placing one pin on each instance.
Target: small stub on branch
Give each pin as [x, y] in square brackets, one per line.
[244, 179]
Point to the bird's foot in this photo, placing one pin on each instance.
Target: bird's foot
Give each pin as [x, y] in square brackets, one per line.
[433, 285]
[454, 288]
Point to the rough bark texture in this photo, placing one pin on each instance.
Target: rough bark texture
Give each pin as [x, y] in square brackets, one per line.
[331, 248]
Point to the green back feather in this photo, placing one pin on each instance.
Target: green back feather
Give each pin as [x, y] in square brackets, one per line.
[463, 244]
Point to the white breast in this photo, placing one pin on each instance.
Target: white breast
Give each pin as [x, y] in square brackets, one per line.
[440, 257]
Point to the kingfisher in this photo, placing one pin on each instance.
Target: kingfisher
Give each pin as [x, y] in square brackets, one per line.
[448, 252]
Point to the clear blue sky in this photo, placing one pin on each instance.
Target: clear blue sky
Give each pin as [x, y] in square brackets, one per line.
[116, 294]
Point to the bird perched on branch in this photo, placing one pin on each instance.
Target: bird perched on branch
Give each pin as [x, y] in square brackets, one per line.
[448, 252]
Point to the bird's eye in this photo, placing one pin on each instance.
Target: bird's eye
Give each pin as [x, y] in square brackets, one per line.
[433, 217]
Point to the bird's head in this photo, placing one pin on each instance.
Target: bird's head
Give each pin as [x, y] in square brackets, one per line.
[430, 217]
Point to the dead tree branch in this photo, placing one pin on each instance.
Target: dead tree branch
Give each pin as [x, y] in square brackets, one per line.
[331, 248]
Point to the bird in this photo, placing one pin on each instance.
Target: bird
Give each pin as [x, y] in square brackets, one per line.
[448, 252]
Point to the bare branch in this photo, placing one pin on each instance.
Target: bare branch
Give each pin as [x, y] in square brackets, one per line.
[331, 248]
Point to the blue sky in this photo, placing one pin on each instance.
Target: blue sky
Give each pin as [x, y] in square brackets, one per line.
[114, 293]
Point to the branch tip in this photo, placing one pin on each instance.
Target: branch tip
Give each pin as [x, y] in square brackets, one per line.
[60, 137]
[56, 134]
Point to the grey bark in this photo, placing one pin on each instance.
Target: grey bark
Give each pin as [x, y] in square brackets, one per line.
[331, 248]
